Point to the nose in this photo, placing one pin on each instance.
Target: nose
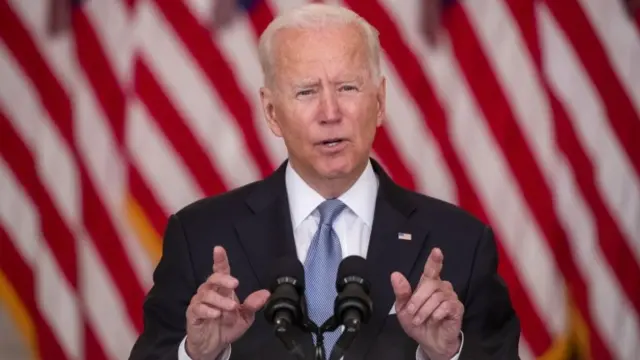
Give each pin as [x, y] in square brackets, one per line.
[330, 106]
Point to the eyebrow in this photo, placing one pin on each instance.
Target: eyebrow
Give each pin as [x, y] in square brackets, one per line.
[350, 80]
[307, 83]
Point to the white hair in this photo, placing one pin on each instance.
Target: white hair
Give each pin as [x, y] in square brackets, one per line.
[316, 16]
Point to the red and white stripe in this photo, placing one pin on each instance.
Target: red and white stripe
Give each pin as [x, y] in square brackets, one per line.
[527, 114]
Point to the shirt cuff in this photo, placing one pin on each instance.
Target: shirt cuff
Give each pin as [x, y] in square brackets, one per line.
[182, 352]
[420, 355]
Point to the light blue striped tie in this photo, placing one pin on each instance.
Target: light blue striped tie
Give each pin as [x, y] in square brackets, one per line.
[321, 267]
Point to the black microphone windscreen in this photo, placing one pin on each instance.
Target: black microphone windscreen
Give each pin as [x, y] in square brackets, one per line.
[289, 268]
[352, 268]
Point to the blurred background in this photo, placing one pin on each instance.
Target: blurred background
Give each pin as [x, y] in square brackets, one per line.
[115, 114]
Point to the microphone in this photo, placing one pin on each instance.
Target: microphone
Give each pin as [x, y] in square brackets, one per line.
[353, 306]
[283, 309]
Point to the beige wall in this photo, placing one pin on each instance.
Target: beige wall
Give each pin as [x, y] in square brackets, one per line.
[12, 346]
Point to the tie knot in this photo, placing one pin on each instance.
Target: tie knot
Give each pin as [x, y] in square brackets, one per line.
[329, 211]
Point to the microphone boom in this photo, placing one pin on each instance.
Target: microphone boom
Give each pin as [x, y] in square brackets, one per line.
[284, 308]
[353, 305]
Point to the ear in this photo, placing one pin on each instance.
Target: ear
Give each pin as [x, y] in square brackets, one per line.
[268, 107]
[382, 102]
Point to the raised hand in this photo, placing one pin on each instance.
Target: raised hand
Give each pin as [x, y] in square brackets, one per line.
[432, 314]
[215, 317]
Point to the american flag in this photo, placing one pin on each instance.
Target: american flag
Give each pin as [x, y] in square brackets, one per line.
[115, 114]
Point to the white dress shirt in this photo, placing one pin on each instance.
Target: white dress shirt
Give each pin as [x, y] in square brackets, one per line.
[353, 225]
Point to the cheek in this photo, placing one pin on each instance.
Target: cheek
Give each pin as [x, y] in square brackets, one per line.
[365, 121]
[296, 125]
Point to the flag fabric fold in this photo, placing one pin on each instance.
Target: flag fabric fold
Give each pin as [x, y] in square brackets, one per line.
[115, 114]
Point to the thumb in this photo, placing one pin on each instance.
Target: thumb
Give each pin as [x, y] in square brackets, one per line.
[402, 290]
[254, 302]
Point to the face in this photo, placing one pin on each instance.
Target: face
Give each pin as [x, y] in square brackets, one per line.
[324, 101]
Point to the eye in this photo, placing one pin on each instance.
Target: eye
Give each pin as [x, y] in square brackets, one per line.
[305, 92]
[348, 88]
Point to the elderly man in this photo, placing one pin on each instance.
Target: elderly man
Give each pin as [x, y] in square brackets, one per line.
[325, 96]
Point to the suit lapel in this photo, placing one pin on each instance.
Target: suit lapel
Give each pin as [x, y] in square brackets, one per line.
[389, 253]
[266, 234]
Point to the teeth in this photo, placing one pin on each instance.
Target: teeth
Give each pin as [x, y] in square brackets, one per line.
[332, 142]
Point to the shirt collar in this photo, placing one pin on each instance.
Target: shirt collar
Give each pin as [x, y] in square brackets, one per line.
[360, 198]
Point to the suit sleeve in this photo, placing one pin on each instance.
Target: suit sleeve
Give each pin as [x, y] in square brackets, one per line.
[166, 303]
[491, 326]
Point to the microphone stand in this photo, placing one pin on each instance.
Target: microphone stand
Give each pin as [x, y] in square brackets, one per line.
[319, 354]
[344, 341]
[330, 325]
[311, 327]
[282, 331]
[351, 329]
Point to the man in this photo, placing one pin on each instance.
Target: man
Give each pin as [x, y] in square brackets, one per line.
[325, 96]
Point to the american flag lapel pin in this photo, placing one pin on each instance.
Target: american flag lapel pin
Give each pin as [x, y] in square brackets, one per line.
[404, 236]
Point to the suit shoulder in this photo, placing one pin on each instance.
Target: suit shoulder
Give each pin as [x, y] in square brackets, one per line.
[223, 204]
[445, 213]
[453, 229]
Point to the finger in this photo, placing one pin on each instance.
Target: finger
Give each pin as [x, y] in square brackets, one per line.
[254, 302]
[402, 290]
[434, 264]
[446, 286]
[201, 311]
[452, 308]
[219, 281]
[216, 300]
[220, 261]
[429, 306]
[421, 295]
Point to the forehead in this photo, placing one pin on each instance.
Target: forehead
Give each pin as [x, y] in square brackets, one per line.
[332, 50]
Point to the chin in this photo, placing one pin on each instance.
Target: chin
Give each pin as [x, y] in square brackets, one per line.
[335, 168]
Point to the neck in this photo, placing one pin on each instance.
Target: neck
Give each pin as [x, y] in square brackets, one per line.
[329, 188]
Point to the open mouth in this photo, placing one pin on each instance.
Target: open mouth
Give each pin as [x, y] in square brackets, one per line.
[332, 142]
